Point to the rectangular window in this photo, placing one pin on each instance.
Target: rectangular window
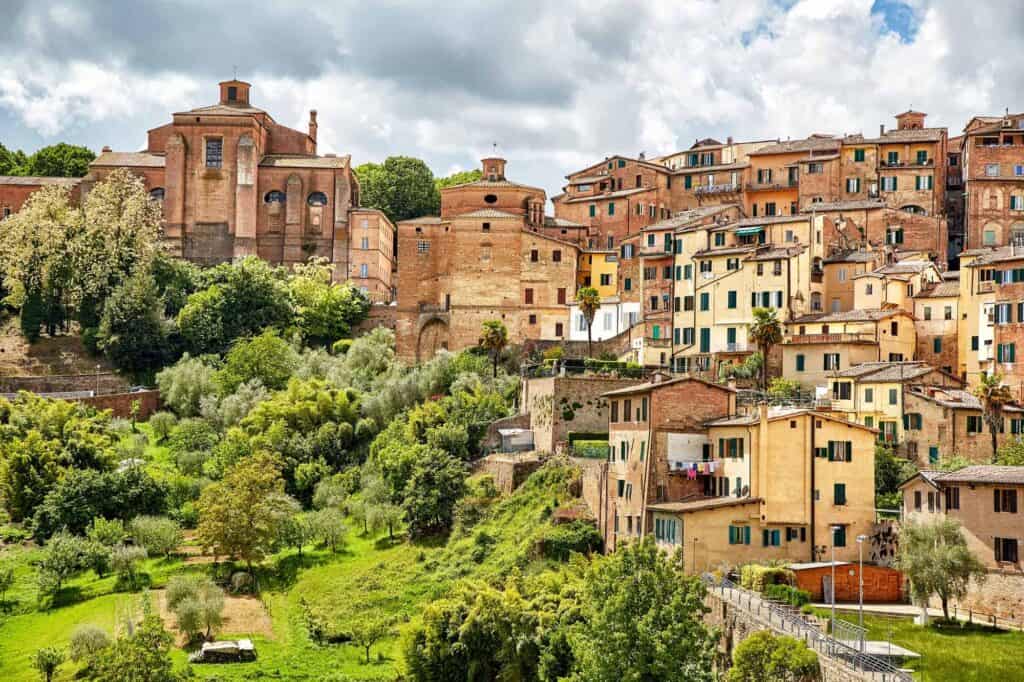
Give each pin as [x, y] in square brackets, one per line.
[841, 390]
[1005, 500]
[611, 208]
[869, 395]
[561, 296]
[214, 152]
[1006, 550]
[839, 536]
[731, 299]
[952, 495]
[923, 182]
[852, 185]
[992, 170]
[528, 296]
[831, 361]
[893, 396]
[364, 270]
[606, 279]
[593, 210]
[973, 424]
[627, 284]
[705, 301]
[705, 340]
[893, 158]
[800, 362]
[858, 155]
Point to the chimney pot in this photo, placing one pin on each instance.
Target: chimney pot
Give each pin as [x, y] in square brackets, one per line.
[881, 129]
[106, 148]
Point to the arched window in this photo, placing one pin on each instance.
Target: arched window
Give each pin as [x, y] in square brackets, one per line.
[317, 199]
[157, 193]
[274, 196]
[491, 198]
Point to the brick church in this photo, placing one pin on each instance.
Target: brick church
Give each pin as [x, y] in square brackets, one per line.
[234, 182]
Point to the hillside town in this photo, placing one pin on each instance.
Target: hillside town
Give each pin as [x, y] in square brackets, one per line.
[777, 364]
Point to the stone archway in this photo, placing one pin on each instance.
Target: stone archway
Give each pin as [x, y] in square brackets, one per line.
[433, 336]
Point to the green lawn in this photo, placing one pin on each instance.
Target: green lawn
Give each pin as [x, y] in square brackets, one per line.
[371, 576]
[953, 653]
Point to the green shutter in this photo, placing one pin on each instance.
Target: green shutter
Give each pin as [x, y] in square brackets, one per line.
[849, 451]
[746, 535]
[800, 363]
[611, 208]
[831, 451]
[687, 181]
[732, 299]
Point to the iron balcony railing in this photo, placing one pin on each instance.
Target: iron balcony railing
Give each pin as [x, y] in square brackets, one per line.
[788, 622]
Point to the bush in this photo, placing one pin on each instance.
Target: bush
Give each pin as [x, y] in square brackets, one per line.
[192, 435]
[788, 595]
[125, 562]
[341, 346]
[764, 656]
[86, 641]
[558, 542]
[108, 533]
[183, 385]
[554, 353]
[162, 423]
[158, 534]
[757, 577]
[197, 602]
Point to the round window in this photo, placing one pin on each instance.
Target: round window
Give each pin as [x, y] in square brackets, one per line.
[274, 196]
[317, 199]
[491, 198]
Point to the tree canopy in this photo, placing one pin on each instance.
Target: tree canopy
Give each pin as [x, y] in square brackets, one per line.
[402, 187]
[937, 561]
[56, 160]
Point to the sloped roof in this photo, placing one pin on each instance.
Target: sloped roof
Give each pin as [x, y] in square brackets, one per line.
[886, 372]
[488, 213]
[36, 180]
[871, 315]
[700, 505]
[491, 184]
[849, 205]
[984, 473]
[777, 252]
[772, 220]
[609, 195]
[304, 161]
[944, 289]
[859, 256]
[132, 159]
[814, 143]
[225, 110]
[553, 221]
[423, 220]
[650, 385]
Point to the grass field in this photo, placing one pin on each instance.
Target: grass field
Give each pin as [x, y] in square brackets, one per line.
[951, 653]
[371, 576]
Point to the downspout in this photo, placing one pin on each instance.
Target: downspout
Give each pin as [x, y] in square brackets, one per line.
[814, 421]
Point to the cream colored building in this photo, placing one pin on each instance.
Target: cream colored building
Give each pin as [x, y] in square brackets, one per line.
[894, 285]
[784, 478]
[819, 345]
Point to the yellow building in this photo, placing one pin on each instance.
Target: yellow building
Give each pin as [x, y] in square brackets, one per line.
[817, 346]
[784, 479]
[976, 333]
[599, 269]
[894, 285]
[838, 273]
[872, 394]
[724, 272]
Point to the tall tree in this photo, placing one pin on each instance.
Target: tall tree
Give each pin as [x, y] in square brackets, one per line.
[403, 187]
[766, 331]
[459, 178]
[994, 396]
[643, 620]
[935, 558]
[589, 301]
[241, 515]
[493, 339]
[60, 160]
[765, 656]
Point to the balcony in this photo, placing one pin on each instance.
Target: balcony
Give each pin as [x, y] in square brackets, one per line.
[804, 339]
[791, 183]
[740, 347]
[907, 164]
[726, 188]
[651, 342]
[433, 307]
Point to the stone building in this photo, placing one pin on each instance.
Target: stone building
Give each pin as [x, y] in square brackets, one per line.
[16, 189]
[234, 182]
[993, 179]
[936, 315]
[488, 255]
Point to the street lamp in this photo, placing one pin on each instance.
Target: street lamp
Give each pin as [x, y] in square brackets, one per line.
[835, 530]
[860, 575]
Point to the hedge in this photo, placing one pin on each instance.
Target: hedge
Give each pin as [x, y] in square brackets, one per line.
[757, 577]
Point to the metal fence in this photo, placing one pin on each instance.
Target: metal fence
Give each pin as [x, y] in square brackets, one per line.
[787, 622]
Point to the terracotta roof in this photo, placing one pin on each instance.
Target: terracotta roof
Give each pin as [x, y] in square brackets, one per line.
[951, 275]
[955, 398]
[984, 473]
[814, 143]
[489, 184]
[944, 289]
[777, 252]
[225, 110]
[650, 385]
[886, 372]
[858, 256]
[588, 179]
[304, 161]
[34, 180]
[488, 213]
[132, 159]
[850, 205]
[897, 135]
[689, 170]
[850, 316]
[423, 220]
[781, 413]
[700, 505]
[726, 250]
[553, 221]
[772, 220]
[987, 256]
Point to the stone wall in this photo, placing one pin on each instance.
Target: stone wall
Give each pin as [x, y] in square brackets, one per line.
[509, 471]
[102, 383]
[593, 473]
[1000, 595]
[121, 403]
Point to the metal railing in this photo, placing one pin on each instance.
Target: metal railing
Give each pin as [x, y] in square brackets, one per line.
[785, 621]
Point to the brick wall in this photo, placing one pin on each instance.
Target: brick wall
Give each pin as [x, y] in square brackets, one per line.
[121, 403]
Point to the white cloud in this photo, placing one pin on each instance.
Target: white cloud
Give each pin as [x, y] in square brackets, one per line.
[557, 85]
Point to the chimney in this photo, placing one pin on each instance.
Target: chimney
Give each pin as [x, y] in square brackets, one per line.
[312, 124]
[106, 148]
[728, 140]
[493, 168]
[881, 129]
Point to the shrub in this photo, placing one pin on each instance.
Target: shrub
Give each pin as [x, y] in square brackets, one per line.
[192, 435]
[184, 384]
[86, 641]
[558, 542]
[554, 353]
[158, 534]
[197, 603]
[191, 462]
[47, 660]
[125, 562]
[341, 346]
[757, 577]
[106, 532]
[162, 424]
[788, 595]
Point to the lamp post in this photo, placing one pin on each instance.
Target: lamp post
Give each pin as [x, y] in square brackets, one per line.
[835, 529]
[860, 576]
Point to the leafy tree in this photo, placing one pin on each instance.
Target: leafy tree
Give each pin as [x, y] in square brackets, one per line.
[125, 560]
[1012, 453]
[241, 514]
[297, 531]
[783, 388]
[368, 631]
[142, 655]
[764, 656]
[30, 468]
[175, 279]
[994, 396]
[267, 358]
[6, 583]
[63, 557]
[493, 339]
[436, 483]
[108, 533]
[183, 385]
[198, 604]
[60, 160]
[935, 558]
[403, 187]
[132, 333]
[643, 620]
[378, 509]
[325, 310]
[766, 332]
[589, 301]
[890, 472]
[12, 162]
[458, 178]
[87, 641]
[158, 534]
[162, 423]
[47, 660]
[329, 525]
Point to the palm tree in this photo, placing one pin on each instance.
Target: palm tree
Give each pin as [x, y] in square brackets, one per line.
[766, 331]
[494, 338]
[994, 396]
[589, 301]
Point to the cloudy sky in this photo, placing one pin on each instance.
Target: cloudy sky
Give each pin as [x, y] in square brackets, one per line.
[557, 85]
